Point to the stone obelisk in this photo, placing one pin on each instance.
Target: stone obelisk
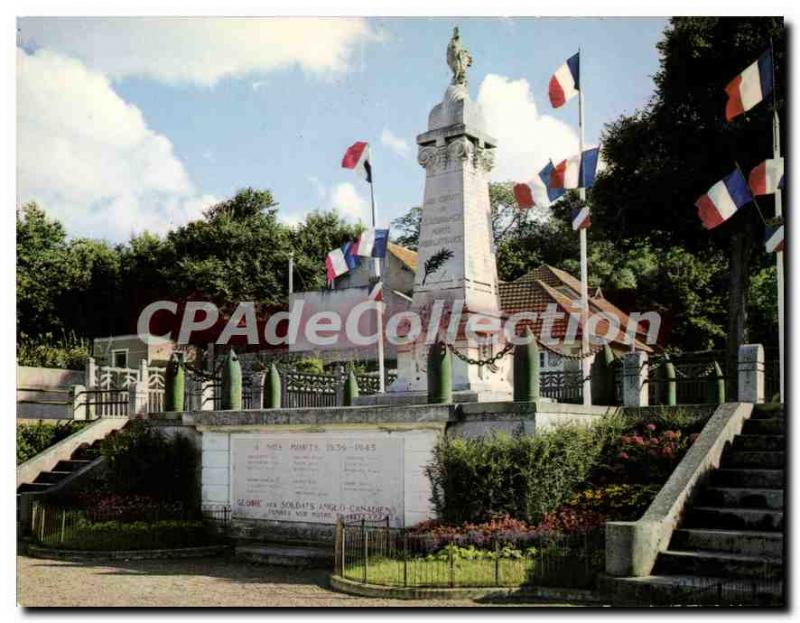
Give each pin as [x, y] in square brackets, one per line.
[456, 261]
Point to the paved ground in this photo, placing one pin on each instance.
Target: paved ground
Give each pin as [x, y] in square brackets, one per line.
[199, 582]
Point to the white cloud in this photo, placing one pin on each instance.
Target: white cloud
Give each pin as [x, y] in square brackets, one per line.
[89, 158]
[350, 204]
[526, 139]
[202, 50]
[398, 145]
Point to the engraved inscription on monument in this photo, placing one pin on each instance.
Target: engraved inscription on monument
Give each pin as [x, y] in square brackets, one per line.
[315, 478]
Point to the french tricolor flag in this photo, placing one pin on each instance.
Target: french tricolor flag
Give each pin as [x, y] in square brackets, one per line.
[723, 199]
[576, 172]
[565, 83]
[371, 243]
[357, 158]
[545, 175]
[581, 218]
[749, 87]
[773, 238]
[376, 293]
[524, 196]
[767, 177]
[339, 261]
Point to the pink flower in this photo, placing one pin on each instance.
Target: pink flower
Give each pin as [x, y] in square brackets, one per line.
[650, 427]
[670, 434]
[637, 440]
[623, 455]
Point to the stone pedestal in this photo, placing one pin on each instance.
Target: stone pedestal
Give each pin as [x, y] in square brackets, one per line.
[137, 399]
[751, 373]
[457, 155]
[635, 369]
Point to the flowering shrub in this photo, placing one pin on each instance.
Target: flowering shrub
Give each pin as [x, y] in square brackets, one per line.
[645, 455]
[104, 506]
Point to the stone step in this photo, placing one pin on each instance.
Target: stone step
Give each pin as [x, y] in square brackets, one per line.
[765, 426]
[766, 411]
[70, 465]
[34, 487]
[759, 442]
[751, 543]
[286, 555]
[51, 477]
[754, 458]
[733, 518]
[755, 478]
[718, 564]
[741, 497]
[673, 590]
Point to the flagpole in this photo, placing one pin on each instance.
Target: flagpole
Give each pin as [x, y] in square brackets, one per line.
[376, 264]
[776, 148]
[585, 363]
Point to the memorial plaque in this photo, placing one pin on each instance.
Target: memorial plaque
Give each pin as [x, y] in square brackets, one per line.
[314, 478]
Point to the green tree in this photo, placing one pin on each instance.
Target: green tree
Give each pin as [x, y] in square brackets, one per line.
[662, 158]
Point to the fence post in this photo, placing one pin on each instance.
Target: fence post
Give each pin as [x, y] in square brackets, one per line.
[602, 377]
[272, 390]
[344, 549]
[90, 373]
[405, 557]
[257, 389]
[526, 369]
[174, 384]
[338, 568]
[670, 378]
[137, 399]
[78, 401]
[63, 524]
[635, 370]
[231, 383]
[751, 373]
[496, 562]
[440, 374]
[451, 578]
[716, 385]
[350, 389]
[366, 547]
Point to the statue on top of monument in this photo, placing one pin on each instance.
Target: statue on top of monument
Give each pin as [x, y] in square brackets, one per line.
[458, 59]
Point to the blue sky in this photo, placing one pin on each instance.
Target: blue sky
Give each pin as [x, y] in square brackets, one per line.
[124, 125]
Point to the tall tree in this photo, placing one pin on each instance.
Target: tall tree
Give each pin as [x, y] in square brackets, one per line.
[661, 159]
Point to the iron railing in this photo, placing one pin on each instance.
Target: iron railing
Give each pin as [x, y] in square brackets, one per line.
[562, 386]
[374, 553]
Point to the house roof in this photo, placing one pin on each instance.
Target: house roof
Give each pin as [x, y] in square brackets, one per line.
[406, 256]
[546, 285]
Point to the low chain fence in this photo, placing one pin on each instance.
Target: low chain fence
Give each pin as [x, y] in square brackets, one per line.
[371, 553]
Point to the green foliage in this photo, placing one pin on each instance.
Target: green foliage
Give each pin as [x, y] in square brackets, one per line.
[310, 365]
[66, 352]
[238, 251]
[405, 228]
[34, 438]
[119, 536]
[141, 460]
[523, 476]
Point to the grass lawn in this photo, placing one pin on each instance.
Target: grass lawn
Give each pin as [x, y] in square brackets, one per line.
[510, 572]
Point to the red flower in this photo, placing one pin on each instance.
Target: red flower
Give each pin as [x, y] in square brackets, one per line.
[650, 427]
[637, 440]
[623, 455]
[670, 434]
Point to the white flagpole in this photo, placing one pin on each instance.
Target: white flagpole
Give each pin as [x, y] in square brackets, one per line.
[291, 272]
[376, 263]
[776, 147]
[585, 363]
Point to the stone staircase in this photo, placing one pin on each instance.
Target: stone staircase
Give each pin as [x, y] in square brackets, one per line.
[80, 458]
[729, 545]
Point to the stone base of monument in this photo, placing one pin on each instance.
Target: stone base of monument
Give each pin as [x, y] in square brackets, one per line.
[296, 556]
[286, 475]
[398, 399]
